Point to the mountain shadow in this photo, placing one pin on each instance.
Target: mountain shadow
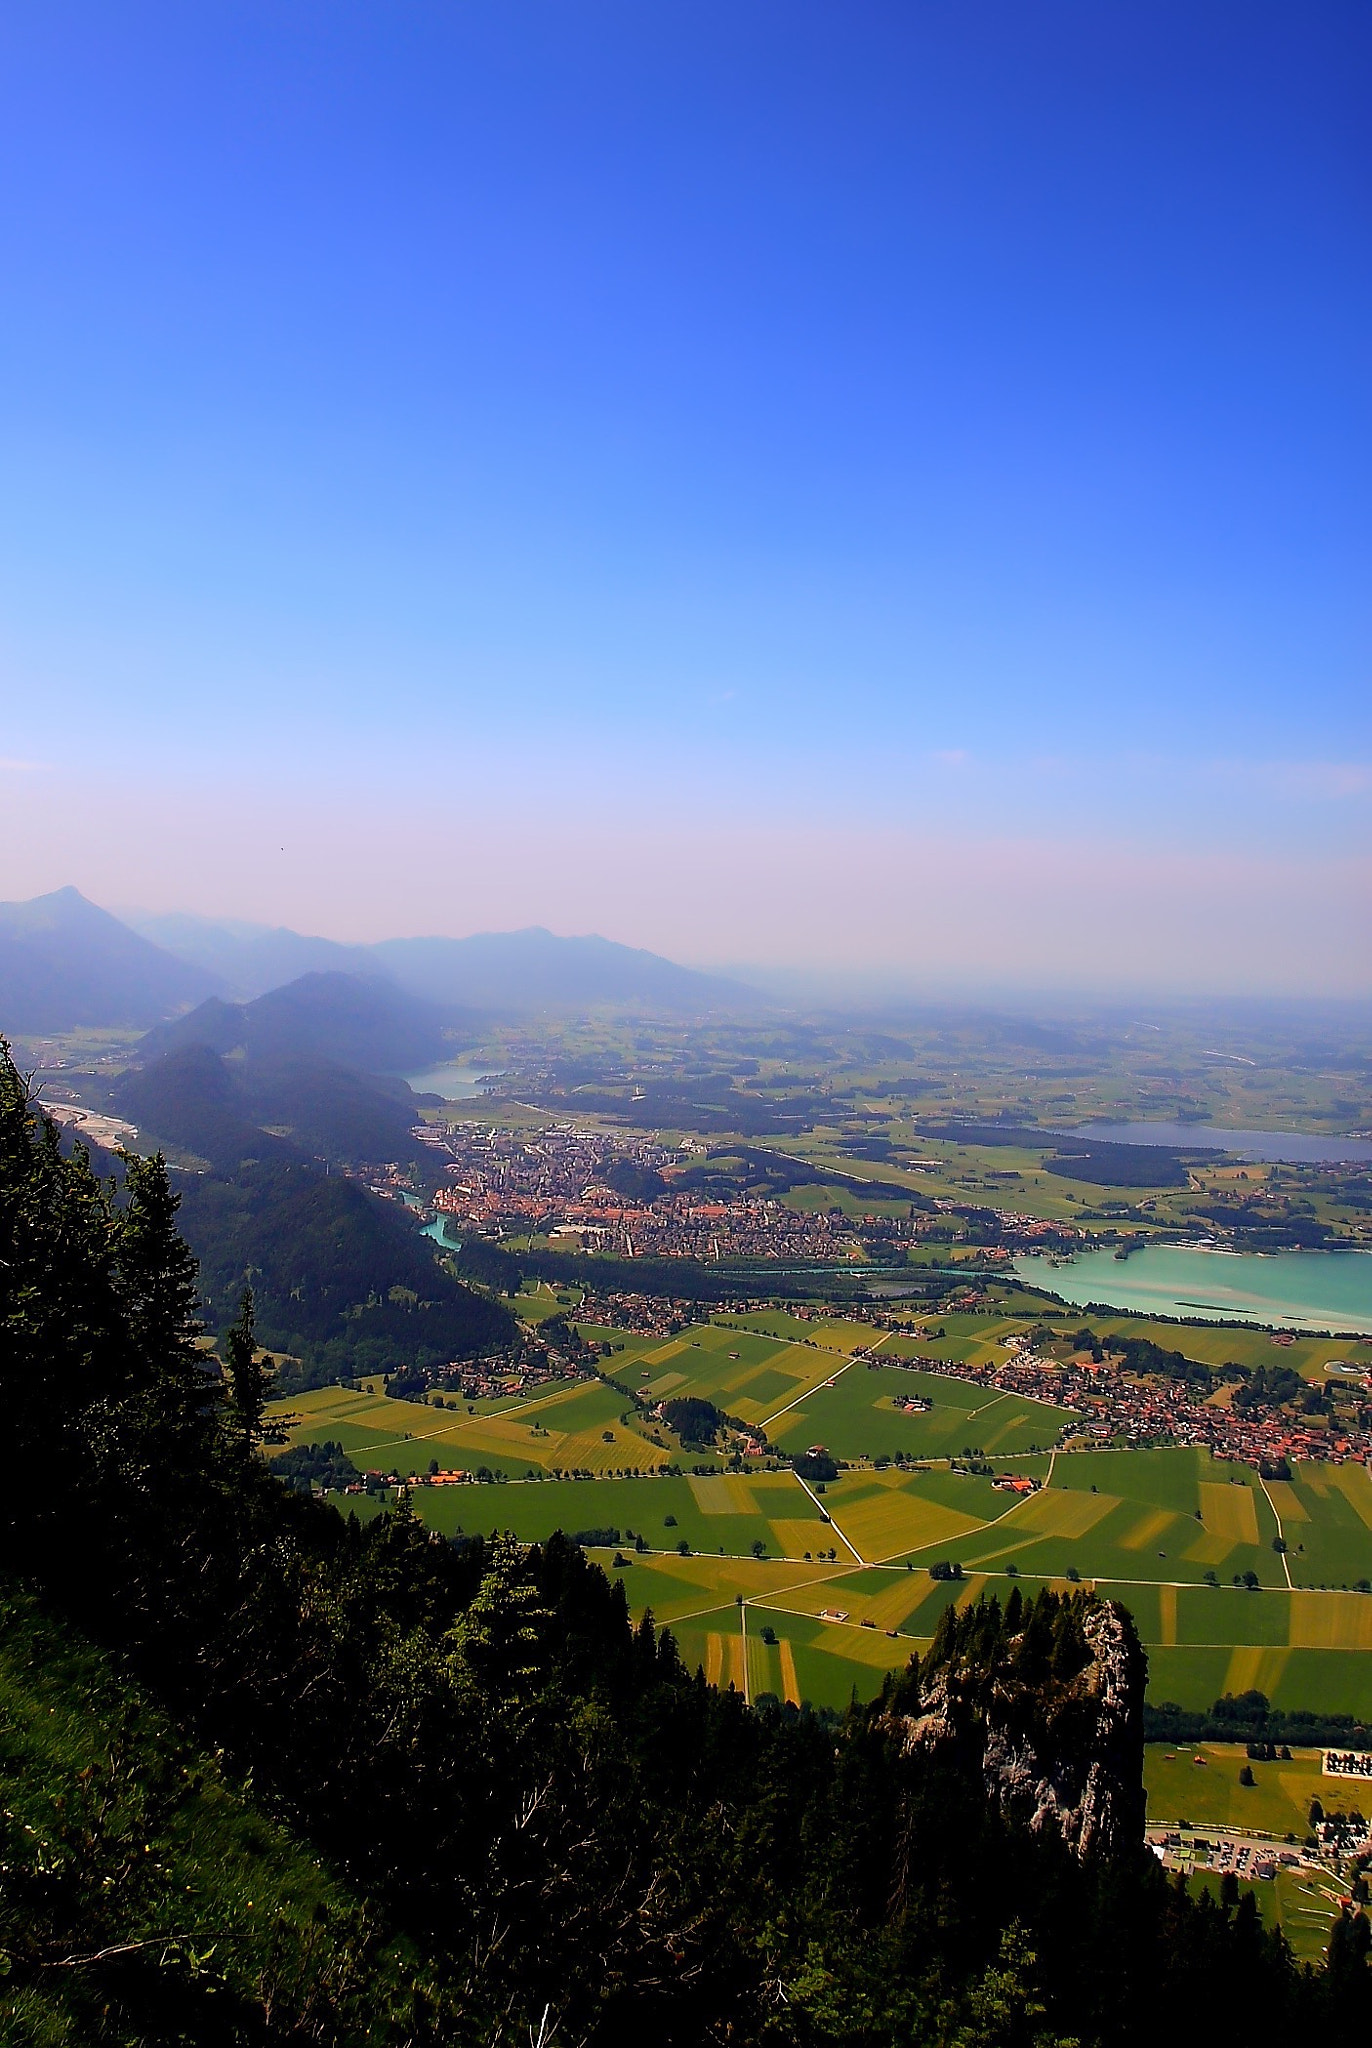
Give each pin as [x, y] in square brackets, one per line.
[354, 1020]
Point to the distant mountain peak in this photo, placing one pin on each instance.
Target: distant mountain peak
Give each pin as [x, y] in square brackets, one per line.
[65, 962]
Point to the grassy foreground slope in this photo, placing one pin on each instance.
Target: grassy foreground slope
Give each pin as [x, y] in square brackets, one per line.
[144, 1894]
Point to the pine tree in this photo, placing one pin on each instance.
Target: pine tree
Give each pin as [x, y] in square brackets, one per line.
[248, 1375]
[157, 1277]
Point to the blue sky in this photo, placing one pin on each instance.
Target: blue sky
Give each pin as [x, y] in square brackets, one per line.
[679, 469]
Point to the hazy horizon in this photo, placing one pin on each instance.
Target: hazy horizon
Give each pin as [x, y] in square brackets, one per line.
[871, 989]
[880, 494]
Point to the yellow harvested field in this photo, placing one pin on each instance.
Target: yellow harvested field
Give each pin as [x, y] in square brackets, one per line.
[713, 1581]
[1287, 1502]
[1331, 1621]
[1062, 1511]
[722, 1493]
[866, 1646]
[794, 1538]
[662, 1354]
[586, 1451]
[1253, 1668]
[1229, 1511]
[971, 1590]
[790, 1684]
[736, 1673]
[332, 1404]
[813, 1595]
[894, 1605]
[714, 1657]
[889, 1606]
[666, 1383]
[1155, 1522]
[888, 1524]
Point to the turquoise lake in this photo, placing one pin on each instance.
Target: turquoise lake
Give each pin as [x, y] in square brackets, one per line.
[455, 1083]
[1314, 1291]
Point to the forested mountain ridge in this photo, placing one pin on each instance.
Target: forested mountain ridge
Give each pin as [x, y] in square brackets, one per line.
[345, 1283]
[226, 1111]
[564, 1835]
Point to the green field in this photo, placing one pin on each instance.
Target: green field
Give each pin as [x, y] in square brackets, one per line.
[1208, 1793]
[855, 1415]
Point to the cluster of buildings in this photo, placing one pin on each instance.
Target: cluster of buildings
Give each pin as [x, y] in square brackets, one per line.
[1248, 1858]
[618, 1194]
[1144, 1409]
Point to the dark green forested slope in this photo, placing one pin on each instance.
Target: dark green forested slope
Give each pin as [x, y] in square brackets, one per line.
[574, 1839]
[344, 1282]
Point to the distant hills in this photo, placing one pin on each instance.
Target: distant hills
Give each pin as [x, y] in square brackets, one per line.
[353, 1020]
[245, 960]
[65, 963]
[532, 970]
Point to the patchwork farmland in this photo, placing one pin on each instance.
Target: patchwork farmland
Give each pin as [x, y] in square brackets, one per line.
[813, 1590]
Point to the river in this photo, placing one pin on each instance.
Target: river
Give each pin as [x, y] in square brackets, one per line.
[1311, 1291]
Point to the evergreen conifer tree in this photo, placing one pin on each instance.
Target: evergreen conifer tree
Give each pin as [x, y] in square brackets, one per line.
[248, 1375]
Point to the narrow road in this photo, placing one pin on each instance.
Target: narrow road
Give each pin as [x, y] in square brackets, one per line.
[829, 1518]
[1277, 1519]
[810, 1392]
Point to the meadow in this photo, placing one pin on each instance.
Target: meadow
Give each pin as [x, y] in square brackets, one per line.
[1199, 1785]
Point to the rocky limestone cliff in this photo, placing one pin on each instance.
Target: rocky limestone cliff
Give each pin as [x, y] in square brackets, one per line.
[1045, 1701]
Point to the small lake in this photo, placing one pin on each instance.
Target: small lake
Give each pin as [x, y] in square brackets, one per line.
[1314, 1291]
[1276, 1148]
[455, 1083]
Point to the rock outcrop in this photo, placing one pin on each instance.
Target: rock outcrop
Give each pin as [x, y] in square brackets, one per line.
[1044, 1701]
